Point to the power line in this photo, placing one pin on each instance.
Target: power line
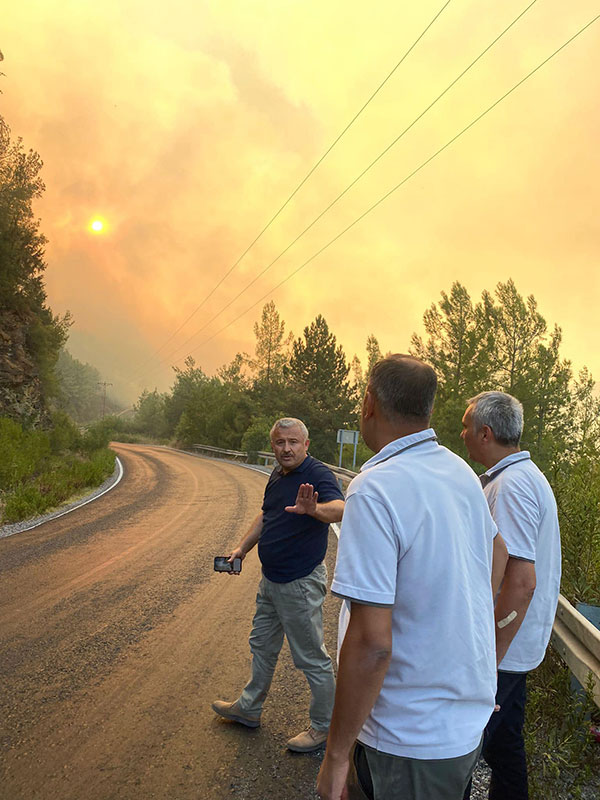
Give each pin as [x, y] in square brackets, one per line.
[354, 182]
[306, 177]
[104, 384]
[402, 182]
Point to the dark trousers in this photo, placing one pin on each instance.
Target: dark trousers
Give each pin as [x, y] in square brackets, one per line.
[380, 776]
[503, 745]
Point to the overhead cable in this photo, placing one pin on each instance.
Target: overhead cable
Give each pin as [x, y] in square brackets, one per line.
[353, 183]
[306, 177]
[402, 182]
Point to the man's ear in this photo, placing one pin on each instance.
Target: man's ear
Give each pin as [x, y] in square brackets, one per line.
[368, 405]
[487, 434]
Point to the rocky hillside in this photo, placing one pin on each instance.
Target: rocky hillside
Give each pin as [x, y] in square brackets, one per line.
[30, 335]
[21, 394]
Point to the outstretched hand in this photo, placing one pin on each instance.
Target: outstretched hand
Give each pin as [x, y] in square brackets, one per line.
[306, 500]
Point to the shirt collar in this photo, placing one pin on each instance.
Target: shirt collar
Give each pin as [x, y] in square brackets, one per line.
[397, 446]
[522, 455]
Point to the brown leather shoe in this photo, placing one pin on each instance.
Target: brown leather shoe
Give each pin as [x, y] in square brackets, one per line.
[232, 712]
[307, 741]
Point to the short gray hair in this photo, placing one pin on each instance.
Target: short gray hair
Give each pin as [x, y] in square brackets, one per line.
[501, 412]
[289, 422]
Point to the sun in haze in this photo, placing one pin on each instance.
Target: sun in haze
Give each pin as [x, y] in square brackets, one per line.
[97, 226]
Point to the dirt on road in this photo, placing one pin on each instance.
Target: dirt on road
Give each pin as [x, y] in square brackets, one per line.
[116, 634]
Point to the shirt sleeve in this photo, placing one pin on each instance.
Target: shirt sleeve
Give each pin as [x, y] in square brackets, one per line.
[327, 486]
[517, 516]
[368, 553]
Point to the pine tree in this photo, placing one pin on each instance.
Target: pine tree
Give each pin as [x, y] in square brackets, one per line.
[457, 348]
[322, 394]
[272, 345]
[501, 343]
[361, 377]
[373, 354]
[584, 415]
[518, 328]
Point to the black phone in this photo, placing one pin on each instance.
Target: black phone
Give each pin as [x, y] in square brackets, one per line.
[222, 564]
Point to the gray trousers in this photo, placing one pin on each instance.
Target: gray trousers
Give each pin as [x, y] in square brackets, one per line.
[296, 610]
[379, 776]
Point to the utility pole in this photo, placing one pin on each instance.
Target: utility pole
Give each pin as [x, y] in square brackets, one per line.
[104, 384]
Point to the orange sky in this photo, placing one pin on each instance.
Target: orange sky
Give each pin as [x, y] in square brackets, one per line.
[185, 125]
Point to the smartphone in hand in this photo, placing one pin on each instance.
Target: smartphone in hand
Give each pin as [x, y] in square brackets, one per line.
[222, 564]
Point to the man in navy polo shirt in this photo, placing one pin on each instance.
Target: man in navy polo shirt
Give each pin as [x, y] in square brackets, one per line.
[301, 499]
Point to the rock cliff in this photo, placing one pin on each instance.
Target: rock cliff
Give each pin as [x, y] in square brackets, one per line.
[21, 394]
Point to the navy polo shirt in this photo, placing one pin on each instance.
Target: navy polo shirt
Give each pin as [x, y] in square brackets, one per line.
[292, 545]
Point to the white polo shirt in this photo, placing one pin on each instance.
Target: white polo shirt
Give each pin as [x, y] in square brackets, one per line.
[524, 509]
[417, 535]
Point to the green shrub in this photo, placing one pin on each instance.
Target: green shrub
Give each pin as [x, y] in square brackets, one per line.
[61, 479]
[98, 435]
[577, 493]
[23, 452]
[64, 434]
[39, 470]
[23, 503]
[132, 438]
[256, 436]
[562, 756]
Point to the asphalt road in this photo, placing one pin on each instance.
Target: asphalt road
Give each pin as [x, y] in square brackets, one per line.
[116, 634]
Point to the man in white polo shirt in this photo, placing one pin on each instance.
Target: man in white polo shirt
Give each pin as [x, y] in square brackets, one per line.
[417, 671]
[524, 509]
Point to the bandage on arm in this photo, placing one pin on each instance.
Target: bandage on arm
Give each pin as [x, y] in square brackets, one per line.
[502, 623]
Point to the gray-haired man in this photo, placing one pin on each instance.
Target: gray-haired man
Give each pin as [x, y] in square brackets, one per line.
[523, 506]
[301, 499]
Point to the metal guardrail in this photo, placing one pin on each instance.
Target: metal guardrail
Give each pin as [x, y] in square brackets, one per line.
[234, 455]
[268, 458]
[577, 642]
[345, 475]
[219, 452]
[574, 637]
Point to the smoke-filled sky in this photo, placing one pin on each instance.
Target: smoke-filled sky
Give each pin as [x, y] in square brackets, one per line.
[185, 125]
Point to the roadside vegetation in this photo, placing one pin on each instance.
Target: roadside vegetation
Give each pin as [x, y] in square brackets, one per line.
[564, 759]
[41, 469]
[45, 457]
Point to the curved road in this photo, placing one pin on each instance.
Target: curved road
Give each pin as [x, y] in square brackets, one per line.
[116, 633]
